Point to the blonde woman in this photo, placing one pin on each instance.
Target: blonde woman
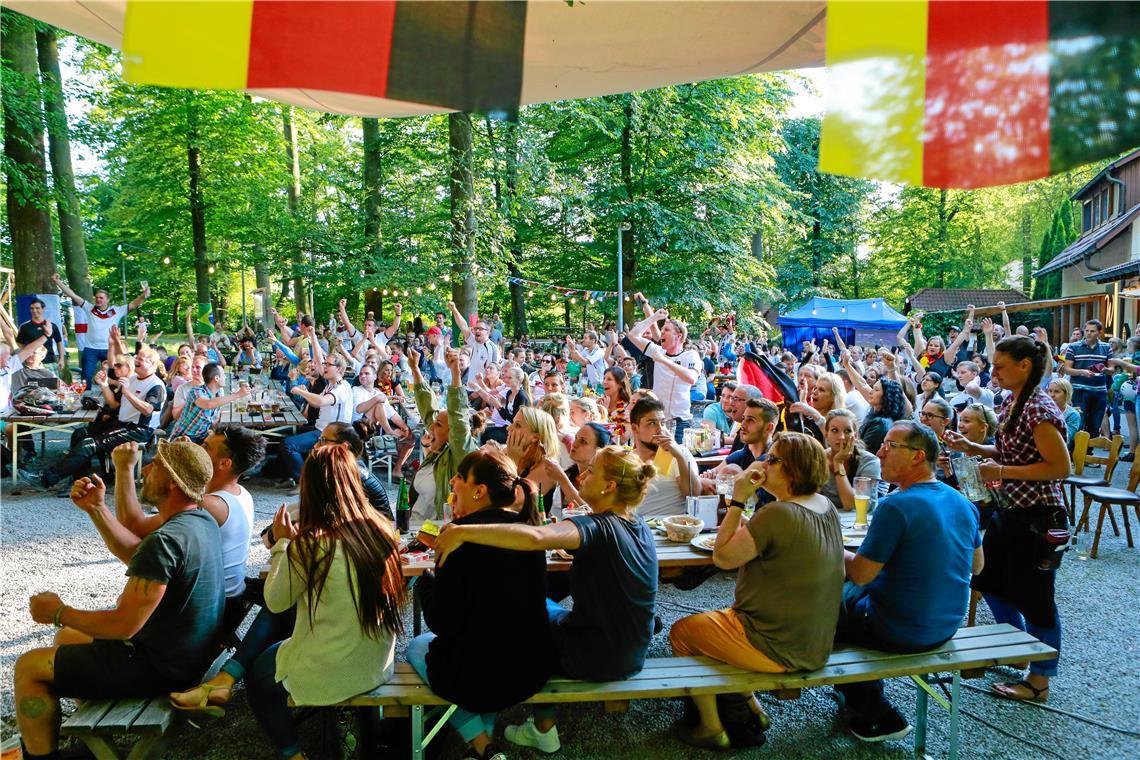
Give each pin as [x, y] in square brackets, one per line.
[827, 393]
[613, 580]
[531, 436]
[583, 410]
[1061, 391]
[557, 405]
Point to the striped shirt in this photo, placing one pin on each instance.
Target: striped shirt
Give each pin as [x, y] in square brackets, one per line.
[1084, 356]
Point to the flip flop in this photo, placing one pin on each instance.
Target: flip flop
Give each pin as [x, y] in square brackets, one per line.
[1037, 695]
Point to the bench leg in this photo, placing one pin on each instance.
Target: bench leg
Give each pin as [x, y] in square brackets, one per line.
[417, 732]
[920, 707]
[955, 693]
[417, 609]
[100, 747]
[145, 747]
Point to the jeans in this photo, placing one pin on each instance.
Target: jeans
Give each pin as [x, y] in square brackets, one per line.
[77, 462]
[1004, 612]
[267, 628]
[1093, 403]
[89, 361]
[294, 449]
[1114, 411]
[468, 724]
[269, 702]
[858, 626]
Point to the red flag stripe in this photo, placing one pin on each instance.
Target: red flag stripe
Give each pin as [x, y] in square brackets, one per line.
[336, 45]
[987, 93]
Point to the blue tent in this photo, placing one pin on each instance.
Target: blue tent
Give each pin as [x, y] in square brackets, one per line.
[865, 321]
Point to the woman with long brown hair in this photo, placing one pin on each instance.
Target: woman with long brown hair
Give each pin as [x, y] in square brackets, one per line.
[480, 593]
[1028, 461]
[344, 635]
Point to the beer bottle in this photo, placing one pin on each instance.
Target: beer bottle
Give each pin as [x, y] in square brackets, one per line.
[721, 510]
[403, 507]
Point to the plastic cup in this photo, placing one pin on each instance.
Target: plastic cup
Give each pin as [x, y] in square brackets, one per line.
[864, 487]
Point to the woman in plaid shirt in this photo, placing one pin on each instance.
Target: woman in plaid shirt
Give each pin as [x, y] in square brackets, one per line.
[1029, 460]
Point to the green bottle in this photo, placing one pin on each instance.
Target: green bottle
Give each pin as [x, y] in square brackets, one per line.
[403, 507]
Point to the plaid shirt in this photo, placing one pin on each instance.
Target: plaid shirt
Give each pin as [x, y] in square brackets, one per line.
[195, 422]
[1016, 447]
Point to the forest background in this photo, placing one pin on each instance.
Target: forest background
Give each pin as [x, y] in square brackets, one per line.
[200, 193]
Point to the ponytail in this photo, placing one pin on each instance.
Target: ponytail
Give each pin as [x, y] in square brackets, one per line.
[1019, 348]
[531, 512]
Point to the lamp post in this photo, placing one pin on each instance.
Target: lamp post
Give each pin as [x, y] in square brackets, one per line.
[123, 263]
[623, 227]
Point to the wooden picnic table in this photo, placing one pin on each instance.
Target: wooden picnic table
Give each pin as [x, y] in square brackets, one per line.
[279, 424]
[29, 425]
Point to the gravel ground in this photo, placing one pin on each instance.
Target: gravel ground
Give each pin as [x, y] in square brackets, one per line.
[47, 544]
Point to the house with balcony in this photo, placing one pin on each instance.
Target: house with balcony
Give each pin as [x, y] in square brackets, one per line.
[1105, 260]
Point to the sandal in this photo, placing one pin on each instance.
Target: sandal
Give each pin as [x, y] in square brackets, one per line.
[205, 706]
[1004, 690]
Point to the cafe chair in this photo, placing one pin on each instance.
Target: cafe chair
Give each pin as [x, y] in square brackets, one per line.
[1108, 497]
[1084, 454]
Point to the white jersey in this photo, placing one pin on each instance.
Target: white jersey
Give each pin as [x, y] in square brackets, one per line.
[99, 324]
[150, 388]
[672, 390]
[12, 367]
[663, 498]
[482, 354]
[340, 410]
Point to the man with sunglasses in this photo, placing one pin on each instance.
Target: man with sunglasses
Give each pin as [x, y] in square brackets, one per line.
[909, 584]
[333, 404]
[478, 341]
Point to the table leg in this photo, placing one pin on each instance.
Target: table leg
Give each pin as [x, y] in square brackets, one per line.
[15, 453]
[417, 609]
[955, 690]
[920, 711]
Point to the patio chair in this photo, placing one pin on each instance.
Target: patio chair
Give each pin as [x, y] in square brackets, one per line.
[1084, 454]
[1108, 497]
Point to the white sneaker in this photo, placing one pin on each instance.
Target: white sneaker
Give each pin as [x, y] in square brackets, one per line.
[527, 735]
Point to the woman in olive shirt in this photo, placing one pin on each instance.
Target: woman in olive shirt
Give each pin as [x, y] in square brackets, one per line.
[789, 582]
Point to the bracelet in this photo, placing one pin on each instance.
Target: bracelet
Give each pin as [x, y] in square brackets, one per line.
[58, 614]
[1001, 472]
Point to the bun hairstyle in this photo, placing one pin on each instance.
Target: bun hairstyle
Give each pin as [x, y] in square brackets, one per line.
[490, 466]
[1020, 348]
[627, 470]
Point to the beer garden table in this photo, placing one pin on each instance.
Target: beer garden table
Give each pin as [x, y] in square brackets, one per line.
[29, 425]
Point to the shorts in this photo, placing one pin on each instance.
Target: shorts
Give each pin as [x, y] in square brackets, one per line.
[107, 669]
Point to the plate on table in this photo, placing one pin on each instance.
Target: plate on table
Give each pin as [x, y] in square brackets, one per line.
[704, 543]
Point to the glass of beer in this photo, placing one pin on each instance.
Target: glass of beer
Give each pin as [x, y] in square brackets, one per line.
[864, 487]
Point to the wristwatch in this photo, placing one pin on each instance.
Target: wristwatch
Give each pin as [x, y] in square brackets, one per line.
[736, 503]
[841, 472]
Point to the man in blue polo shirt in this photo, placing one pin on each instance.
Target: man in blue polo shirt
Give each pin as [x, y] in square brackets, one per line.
[909, 584]
[1084, 364]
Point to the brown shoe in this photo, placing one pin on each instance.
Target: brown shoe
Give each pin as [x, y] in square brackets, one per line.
[1020, 691]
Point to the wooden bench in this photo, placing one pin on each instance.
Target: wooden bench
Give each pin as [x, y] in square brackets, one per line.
[97, 722]
[964, 656]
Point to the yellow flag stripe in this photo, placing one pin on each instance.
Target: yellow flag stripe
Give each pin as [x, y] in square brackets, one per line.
[182, 43]
[876, 90]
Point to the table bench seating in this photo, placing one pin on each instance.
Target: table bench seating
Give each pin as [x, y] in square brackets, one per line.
[966, 655]
[97, 722]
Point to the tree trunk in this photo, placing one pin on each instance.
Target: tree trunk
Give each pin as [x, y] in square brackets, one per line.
[1026, 250]
[463, 287]
[261, 275]
[943, 232]
[631, 311]
[506, 198]
[300, 292]
[29, 224]
[197, 216]
[373, 233]
[62, 175]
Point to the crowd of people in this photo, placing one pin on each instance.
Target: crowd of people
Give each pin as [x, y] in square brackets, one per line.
[502, 439]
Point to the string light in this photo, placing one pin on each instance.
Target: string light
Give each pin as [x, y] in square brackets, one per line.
[211, 269]
[384, 293]
[573, 300]
[431, 286]
[553, 296]
[419, 291]
[530, 294]
[405, 293]
[627, 296]
[165, 259]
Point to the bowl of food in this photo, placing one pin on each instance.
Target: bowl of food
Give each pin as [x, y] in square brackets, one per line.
[682, 528]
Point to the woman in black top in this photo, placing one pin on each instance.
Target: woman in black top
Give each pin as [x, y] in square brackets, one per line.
[486, 607]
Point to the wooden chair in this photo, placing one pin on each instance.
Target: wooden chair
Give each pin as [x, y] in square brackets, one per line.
[1107, 497]
[1084, 454]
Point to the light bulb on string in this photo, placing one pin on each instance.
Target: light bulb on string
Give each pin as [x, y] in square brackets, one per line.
[165, 259]
[573, 300]
[530, 294]
[553, 296]
[211, 270]
[384, 293]
[431, 286]
[627, 296]
[419, 291]
[405, 293]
